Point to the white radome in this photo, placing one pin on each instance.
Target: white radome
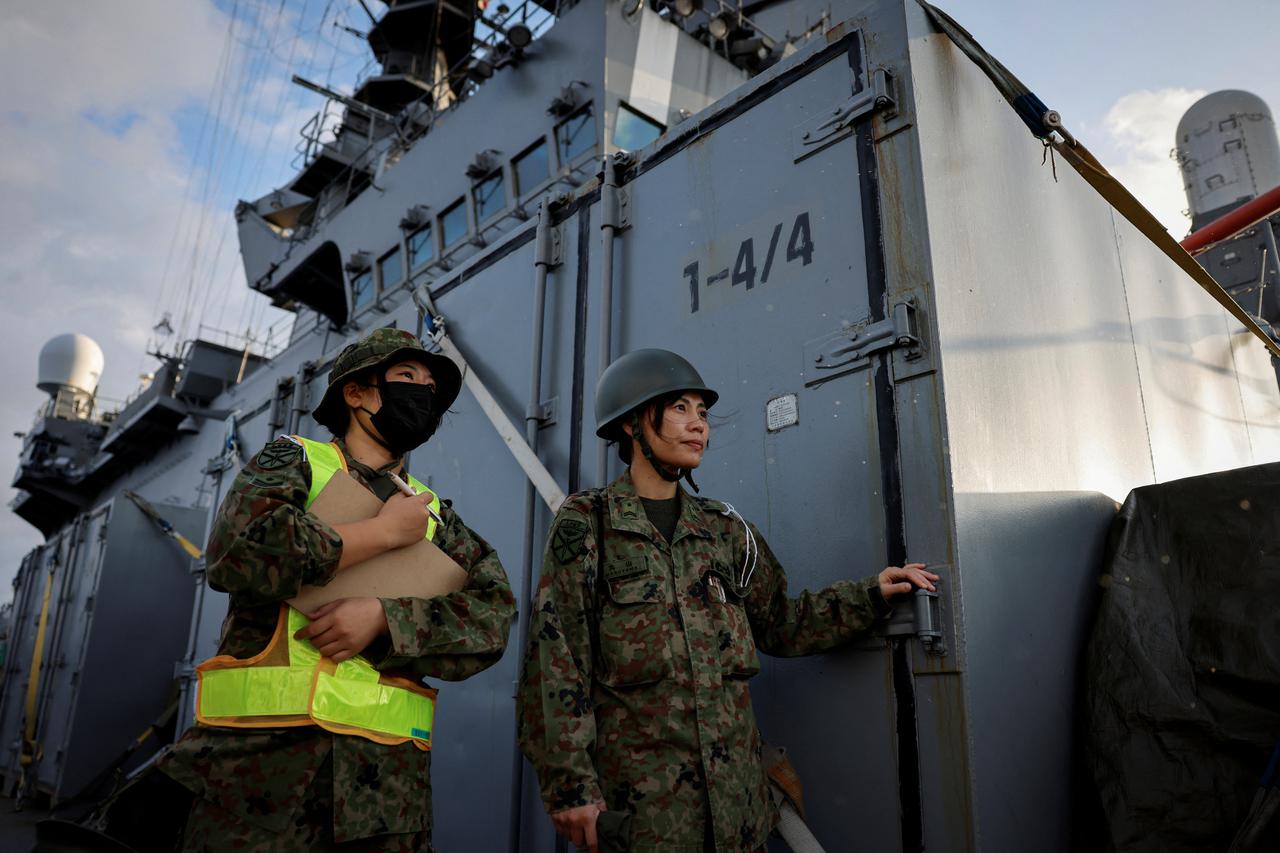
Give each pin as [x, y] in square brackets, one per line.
[70, 361]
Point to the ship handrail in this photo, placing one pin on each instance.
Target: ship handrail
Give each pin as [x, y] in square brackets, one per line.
[406, 134]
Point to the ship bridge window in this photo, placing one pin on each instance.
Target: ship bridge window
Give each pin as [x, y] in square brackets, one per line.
[576, 135]
[491, 196]
[361, 289]
[532, 168]
[390, 270]
[453, 222]
[633, 129]
[421, 247]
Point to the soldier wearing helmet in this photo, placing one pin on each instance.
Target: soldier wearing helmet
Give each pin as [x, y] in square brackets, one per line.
[268, 781]
[633, 703]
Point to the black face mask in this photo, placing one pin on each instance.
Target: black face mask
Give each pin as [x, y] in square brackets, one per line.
[408, 416]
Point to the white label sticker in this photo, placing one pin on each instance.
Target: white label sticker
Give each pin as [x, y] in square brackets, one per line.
[781, 412]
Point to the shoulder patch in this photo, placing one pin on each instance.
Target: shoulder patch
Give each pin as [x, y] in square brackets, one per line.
[568, 540]
[279, 454]
[712, 505]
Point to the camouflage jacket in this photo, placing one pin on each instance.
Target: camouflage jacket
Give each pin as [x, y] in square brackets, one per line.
[263, 547]
[634, 687]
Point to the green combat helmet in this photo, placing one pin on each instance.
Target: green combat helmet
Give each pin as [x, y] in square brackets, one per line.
[633, 380]
[383, 347]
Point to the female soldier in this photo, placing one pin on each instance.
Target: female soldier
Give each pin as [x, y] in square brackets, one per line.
[285, 770]
[650, 609]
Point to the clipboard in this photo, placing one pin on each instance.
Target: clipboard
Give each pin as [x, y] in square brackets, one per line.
[420, 570]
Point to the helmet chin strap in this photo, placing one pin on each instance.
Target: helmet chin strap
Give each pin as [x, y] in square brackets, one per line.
[671, 475]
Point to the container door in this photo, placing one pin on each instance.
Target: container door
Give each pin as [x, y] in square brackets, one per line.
[28, 594]
[45, 572]
[488, 306]
[73, 610]
[749, 254]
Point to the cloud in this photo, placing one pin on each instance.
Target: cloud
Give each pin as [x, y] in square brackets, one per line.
[1139, 132]
[99, 114]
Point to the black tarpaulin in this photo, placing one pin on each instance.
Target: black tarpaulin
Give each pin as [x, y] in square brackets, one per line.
[1182, 670]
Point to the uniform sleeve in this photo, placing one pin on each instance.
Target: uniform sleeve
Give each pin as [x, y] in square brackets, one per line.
[556, 721]
[814, 621]
[265, 545]
[452, 636]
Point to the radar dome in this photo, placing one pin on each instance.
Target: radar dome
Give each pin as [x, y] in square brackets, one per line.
[70, 361]
[1228, 151]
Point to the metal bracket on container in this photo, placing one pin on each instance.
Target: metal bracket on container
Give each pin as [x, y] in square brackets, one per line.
[545, 413]
[615, 206]
[851, 348]
[548, 238]
[923, 619]
[548, 246]
[818, 133]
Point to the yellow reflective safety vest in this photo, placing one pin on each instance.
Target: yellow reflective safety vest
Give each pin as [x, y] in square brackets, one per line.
[290, 684]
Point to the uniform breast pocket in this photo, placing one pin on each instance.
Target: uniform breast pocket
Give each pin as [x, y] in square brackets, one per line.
[738, 656]
[635, 625]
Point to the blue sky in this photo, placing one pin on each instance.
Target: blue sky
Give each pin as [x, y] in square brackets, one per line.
[129, 137]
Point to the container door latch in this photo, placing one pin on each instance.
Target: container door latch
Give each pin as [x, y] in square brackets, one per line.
[817, 133]
[920, 616]
[852, 347]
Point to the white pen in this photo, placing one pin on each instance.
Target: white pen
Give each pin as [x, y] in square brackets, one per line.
[405, 487]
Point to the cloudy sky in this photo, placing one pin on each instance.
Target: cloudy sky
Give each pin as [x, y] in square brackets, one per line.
[127, 137]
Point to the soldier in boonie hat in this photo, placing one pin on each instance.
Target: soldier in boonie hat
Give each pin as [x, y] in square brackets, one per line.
[273, 763]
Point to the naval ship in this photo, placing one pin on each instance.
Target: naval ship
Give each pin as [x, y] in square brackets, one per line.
[929, 340]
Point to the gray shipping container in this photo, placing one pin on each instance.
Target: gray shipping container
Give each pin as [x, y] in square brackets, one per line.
[1061, 361]
[119, 604]
[928, 347]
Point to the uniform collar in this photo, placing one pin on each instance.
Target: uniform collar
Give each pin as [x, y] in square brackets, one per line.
[357, 465]
[354, 466]
[627, 513]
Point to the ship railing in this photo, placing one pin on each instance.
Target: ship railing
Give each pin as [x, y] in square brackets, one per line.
[320, 132]
[266, 344]
[71, 404]
[416, 119]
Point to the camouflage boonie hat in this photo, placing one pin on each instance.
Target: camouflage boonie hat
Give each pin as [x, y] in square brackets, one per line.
[384, 346]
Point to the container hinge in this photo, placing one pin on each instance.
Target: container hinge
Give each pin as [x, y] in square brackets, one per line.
[548, 241]
[615, 201]
[615, 210]
[855, 344]
[817, 133]
[921, 617]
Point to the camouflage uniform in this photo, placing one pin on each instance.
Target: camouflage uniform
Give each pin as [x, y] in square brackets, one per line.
[304, 788]
[634, 689]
